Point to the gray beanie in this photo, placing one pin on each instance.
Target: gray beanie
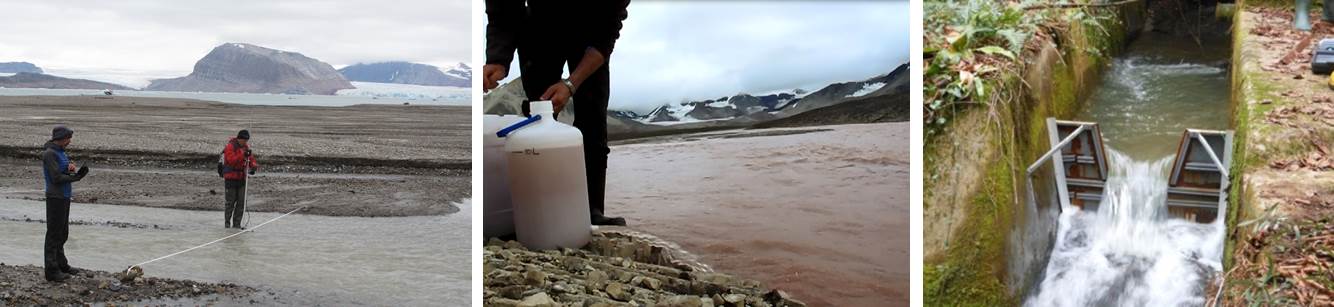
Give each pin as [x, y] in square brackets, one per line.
[61, 133]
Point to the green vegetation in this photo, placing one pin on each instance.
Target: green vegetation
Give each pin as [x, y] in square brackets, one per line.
[995, 71]
[971, 46]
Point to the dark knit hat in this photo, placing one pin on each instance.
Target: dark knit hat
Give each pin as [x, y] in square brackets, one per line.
[61, 133]
[244, 135]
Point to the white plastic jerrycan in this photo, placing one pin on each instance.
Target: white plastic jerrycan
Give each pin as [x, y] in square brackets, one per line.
[497, 208]
[547, 181]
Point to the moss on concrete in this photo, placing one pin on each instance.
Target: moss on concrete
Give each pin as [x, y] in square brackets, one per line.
[971, 269]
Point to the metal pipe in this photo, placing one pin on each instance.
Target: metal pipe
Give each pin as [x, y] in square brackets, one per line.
[1055, 149]
[1210, 150]
[1032, 196]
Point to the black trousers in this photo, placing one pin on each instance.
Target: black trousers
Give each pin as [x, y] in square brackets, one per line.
[540, 63]
[234, 206]
[57, 232]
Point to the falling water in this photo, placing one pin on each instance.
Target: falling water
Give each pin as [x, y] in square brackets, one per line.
[1131, 252]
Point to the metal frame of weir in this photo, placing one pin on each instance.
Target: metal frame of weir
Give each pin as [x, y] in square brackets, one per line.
[1179, 166]
[1187, 191]
[1222, 168]
[1058, 165]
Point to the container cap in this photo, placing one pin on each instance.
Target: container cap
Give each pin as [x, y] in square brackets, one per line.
[539, 107]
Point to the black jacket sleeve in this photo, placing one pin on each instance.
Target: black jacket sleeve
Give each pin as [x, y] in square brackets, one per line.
[51, 165]
[504, 20]
[612, 18]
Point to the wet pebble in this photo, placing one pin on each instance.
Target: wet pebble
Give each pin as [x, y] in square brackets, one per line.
[541, 299]
[598, 276]
[617, 291]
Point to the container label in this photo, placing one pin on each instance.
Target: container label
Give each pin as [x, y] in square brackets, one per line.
[529, 151]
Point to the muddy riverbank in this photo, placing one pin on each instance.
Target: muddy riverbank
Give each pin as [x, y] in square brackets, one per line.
[25, 285]
[160, 152]
[819, 213]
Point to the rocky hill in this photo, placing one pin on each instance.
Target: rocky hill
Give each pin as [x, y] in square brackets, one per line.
[896, 80]
[408, 73]
[888, 103]
[246, 68]
[874, 109]
[18, 67]
[36, 80]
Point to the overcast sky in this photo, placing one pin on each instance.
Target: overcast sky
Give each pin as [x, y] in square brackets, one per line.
[672, 51]
[124, 40]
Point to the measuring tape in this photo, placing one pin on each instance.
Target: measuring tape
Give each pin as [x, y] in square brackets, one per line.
[132, 267]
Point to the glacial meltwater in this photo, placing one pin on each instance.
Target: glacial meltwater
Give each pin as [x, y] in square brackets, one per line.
[304, 260]
[1131, 252]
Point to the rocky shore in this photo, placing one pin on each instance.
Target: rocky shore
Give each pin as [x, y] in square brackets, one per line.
[620, 267]
[25, 285]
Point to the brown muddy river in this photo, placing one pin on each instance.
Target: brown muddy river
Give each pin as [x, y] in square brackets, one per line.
[822, 215]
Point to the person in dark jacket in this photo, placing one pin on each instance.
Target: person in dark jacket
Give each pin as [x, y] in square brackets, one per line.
[551, 36]
[60, 174]
[238, 161]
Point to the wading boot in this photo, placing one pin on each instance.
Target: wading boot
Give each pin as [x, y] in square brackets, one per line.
[57, 277]
[602, 220]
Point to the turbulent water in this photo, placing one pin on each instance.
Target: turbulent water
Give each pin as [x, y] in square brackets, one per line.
[1131, 252]
[1145, 104]
[305, 260]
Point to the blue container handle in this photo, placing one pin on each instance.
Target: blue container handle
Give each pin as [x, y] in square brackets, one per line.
[506, 132]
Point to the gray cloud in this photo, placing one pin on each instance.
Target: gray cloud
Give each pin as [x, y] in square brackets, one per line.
[164, 38]
[671, 51]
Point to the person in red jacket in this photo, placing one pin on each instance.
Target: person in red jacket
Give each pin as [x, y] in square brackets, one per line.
[238, 162]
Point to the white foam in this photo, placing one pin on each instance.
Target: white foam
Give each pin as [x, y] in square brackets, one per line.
[1131, 252]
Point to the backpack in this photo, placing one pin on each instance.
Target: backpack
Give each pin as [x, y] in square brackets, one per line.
[222, 168]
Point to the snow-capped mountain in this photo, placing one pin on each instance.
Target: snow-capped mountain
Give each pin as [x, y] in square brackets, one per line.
[409, 73]
[840, 92]
[723, 108]
[765, 106]
[624, 114]
[461, 71]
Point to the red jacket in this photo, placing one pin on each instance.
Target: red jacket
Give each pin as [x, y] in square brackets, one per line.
[234, 160]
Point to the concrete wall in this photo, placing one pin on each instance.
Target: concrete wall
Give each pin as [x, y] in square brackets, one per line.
[983, 243]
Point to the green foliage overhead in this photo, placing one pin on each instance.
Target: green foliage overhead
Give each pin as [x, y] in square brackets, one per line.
[970, 46]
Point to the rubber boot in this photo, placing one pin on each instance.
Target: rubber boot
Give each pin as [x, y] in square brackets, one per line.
[1329, 11]
[57, 277]
[602, 220]
[1303, 20]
